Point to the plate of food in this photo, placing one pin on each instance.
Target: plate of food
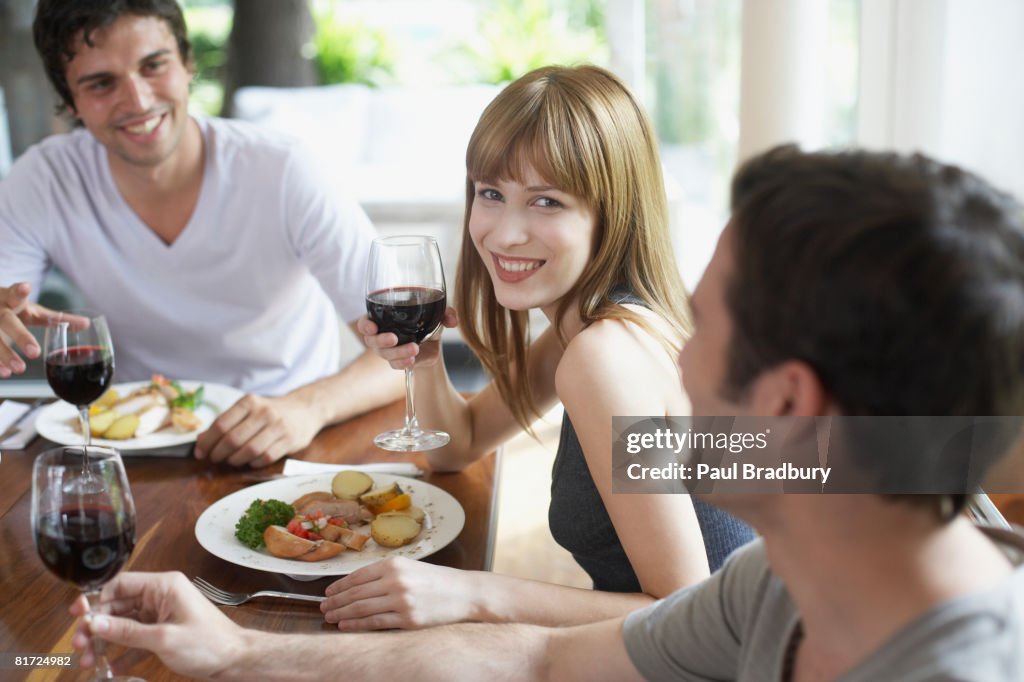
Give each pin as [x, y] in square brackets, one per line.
[322, 525]
[142, 415]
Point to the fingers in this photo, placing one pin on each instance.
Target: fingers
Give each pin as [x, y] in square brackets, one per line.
[360, 576]
[378, 613]
[16, 295]
[378, 621]
[213, 438]
[386, 345]
[35, 314]
[11, 327]
[253, 431]
[451, 318]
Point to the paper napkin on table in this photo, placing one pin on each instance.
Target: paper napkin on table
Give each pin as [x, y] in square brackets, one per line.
[293, 467]
[10, 412]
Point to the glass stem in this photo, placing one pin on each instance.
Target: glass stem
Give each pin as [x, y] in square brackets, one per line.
[83, 418]
[99, 647]
[411, 425]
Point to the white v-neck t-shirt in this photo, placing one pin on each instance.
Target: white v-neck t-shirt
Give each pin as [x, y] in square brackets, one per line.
[248, 295]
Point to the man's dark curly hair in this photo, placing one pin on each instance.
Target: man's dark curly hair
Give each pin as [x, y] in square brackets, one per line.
[58, 24]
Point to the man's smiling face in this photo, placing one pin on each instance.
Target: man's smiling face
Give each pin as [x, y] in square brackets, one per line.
[130, 89]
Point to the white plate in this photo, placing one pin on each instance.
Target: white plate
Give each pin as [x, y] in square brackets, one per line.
[215, 528]
[59, 421]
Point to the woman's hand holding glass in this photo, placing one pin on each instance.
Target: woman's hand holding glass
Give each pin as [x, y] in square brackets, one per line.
[402, 356]
[406, 295]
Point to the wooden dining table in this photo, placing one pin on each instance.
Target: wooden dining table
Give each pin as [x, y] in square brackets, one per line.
[170, 493]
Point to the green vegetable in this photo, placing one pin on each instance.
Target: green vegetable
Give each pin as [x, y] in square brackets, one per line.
[259, 515]
[190, 401]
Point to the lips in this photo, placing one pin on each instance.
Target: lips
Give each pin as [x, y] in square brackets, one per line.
[513, 270]
[145, 129]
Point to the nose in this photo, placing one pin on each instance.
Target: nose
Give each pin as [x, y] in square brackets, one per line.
[139, 93]
[511, 228]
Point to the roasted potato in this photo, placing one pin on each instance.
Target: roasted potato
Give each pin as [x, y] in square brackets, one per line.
[394, 529]
[415, 512]
[106, 400]
[123, 428]
[350, 484]
[379, 496]
[101, 421]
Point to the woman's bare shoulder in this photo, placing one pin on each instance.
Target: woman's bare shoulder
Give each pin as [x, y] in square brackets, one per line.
[624, 362]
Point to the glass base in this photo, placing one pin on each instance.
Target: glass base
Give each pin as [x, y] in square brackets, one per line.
[416, 441]
[118, 678]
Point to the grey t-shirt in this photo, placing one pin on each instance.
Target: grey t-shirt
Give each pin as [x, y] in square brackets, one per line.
[738, 624]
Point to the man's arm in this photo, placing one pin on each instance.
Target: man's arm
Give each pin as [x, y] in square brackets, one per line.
[194, 638]
[259, 430]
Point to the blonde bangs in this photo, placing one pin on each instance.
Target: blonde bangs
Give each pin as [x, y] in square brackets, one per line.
[511, 142]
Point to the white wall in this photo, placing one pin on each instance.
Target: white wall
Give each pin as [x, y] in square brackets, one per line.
[944, 77]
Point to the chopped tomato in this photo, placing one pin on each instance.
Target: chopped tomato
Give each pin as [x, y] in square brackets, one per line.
[310, 525]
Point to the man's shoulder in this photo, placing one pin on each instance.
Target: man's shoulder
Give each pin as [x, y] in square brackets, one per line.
[73, 147]
[242, 139]
[60, 158]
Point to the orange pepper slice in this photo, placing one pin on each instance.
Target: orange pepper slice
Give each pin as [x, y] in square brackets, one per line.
[396, 503]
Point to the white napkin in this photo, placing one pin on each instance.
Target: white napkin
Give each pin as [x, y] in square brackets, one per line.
[294, 467]
[11, 412]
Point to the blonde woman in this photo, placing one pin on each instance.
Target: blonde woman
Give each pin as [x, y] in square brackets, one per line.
[565, 213]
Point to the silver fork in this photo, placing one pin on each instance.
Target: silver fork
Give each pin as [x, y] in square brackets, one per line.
[219, 596]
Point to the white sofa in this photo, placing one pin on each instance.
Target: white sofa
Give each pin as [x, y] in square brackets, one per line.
[400, 151]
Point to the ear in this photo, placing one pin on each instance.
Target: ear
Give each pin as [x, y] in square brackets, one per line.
[791, 388]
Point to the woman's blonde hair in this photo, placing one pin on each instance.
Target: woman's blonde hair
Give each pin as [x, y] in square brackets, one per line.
[581, 130]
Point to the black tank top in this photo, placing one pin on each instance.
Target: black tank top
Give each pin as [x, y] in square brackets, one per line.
[580, 523]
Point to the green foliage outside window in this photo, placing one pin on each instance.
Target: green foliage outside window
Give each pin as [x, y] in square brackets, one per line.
[209, 25]
[351, 52]
[516, 36]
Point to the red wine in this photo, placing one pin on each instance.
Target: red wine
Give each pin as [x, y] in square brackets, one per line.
[80, 375]
[411, 313]
[87, 546]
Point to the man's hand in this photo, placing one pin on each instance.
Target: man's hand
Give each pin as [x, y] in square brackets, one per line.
[16, 314]
[162, 613]
[259, 431]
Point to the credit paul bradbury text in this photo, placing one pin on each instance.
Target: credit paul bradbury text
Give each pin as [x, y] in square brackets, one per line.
[812, 454]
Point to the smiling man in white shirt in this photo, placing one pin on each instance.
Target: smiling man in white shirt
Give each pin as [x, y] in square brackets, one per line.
[213, 248]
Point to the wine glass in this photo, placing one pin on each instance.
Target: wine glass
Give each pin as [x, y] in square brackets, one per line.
[83, 521]
[79, 362]
[405, 295]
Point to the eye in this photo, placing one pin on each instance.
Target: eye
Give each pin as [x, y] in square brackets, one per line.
[489, 193]
[548, 202]
[100, 84]
[154, 65]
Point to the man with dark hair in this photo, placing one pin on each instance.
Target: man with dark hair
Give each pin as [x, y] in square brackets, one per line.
[213, 249]
[906, 253]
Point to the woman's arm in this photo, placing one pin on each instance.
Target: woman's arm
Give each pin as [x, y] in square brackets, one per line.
[616, 368]
[613, 372]
[405, 594]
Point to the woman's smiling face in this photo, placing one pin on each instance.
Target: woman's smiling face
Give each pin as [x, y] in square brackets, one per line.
[534, 239]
